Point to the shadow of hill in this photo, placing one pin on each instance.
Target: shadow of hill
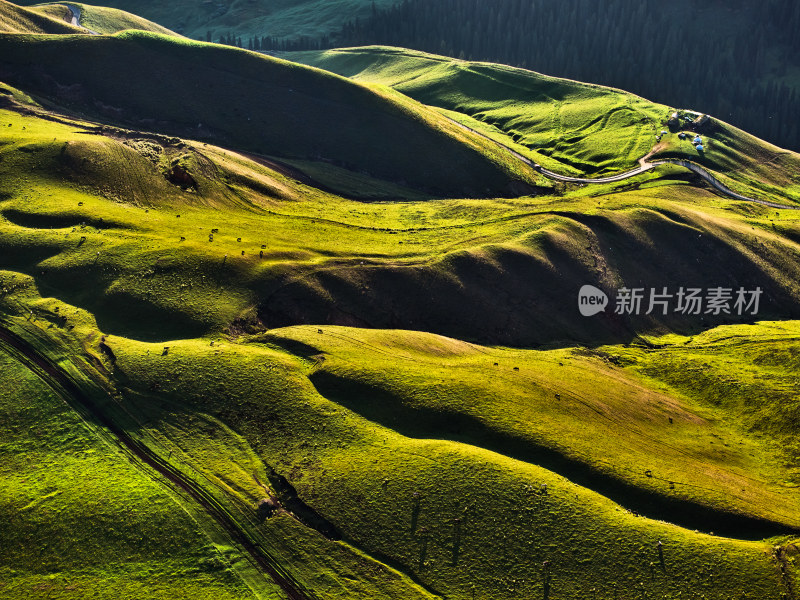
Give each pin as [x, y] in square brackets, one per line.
[382, 407]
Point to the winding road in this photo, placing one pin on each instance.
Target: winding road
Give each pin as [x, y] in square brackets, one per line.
[643, 167]
[647, 166]
[610, 179]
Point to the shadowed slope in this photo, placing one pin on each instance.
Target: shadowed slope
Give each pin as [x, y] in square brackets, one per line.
[102, 19]
[284, 18]
[261, 104]
[112, 229]
[570, 127]
[572, 412]
[15, 19]
[562, 124]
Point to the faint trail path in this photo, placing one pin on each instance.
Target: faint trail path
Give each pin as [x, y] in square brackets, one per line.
[643, 167]
[76, 18]
[63, 384]
[76, 15]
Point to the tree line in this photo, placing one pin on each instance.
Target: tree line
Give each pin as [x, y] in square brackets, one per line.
[730, 58]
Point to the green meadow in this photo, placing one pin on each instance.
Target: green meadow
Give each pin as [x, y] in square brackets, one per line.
[567, 126]
[18, 19]
[234, 367]
[101, 19]
[285, 18]
[80, 520]
[263, 105]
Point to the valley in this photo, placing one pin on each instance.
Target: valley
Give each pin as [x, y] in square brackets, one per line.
[308, 327]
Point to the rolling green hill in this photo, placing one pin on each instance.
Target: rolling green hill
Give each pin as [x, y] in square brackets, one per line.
[224, 374]
[97, 522]
[260, 104]
[16, 19]
[563, 124]
[495, 271]
[738, 59]
[567, 126]
[465, 509]
[284, 18]
[101, 19]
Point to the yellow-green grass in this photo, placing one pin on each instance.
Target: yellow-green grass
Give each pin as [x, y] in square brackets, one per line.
[342, 414]
[261, 104]
[565, 125]
[213, 456]
[531, 402]
[10, 96]
[94, 220]
[102, 19]
[79, 520]
[453, 514]
[747, 164]
[284, 19]
[16, 19]
[746, 371]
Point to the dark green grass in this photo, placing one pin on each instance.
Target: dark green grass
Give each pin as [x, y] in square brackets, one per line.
[261, 104]
[283, 18]
[102, 19]
[16, 19]
[565, 125]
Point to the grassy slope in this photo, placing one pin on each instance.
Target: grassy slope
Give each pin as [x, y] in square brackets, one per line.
[15, 19]
[427, 387]
[155, 286]
[210, 454]
[90, 223]
[94, 219]
[102, 19]
[746, 162]
[746, 371]
[283, 18]
[261, 104]
[566, 125]
[80, 520]
[455, 515]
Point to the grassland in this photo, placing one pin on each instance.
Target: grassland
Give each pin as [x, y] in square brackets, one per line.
[533, 402]
[565, 125]
[116, 238]
[101, 19]
[569, 127]
[453, 509]
[80, 520]
[389, 399]
[746, 163]
[16, 19]
[286, 18]
[261, 104]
